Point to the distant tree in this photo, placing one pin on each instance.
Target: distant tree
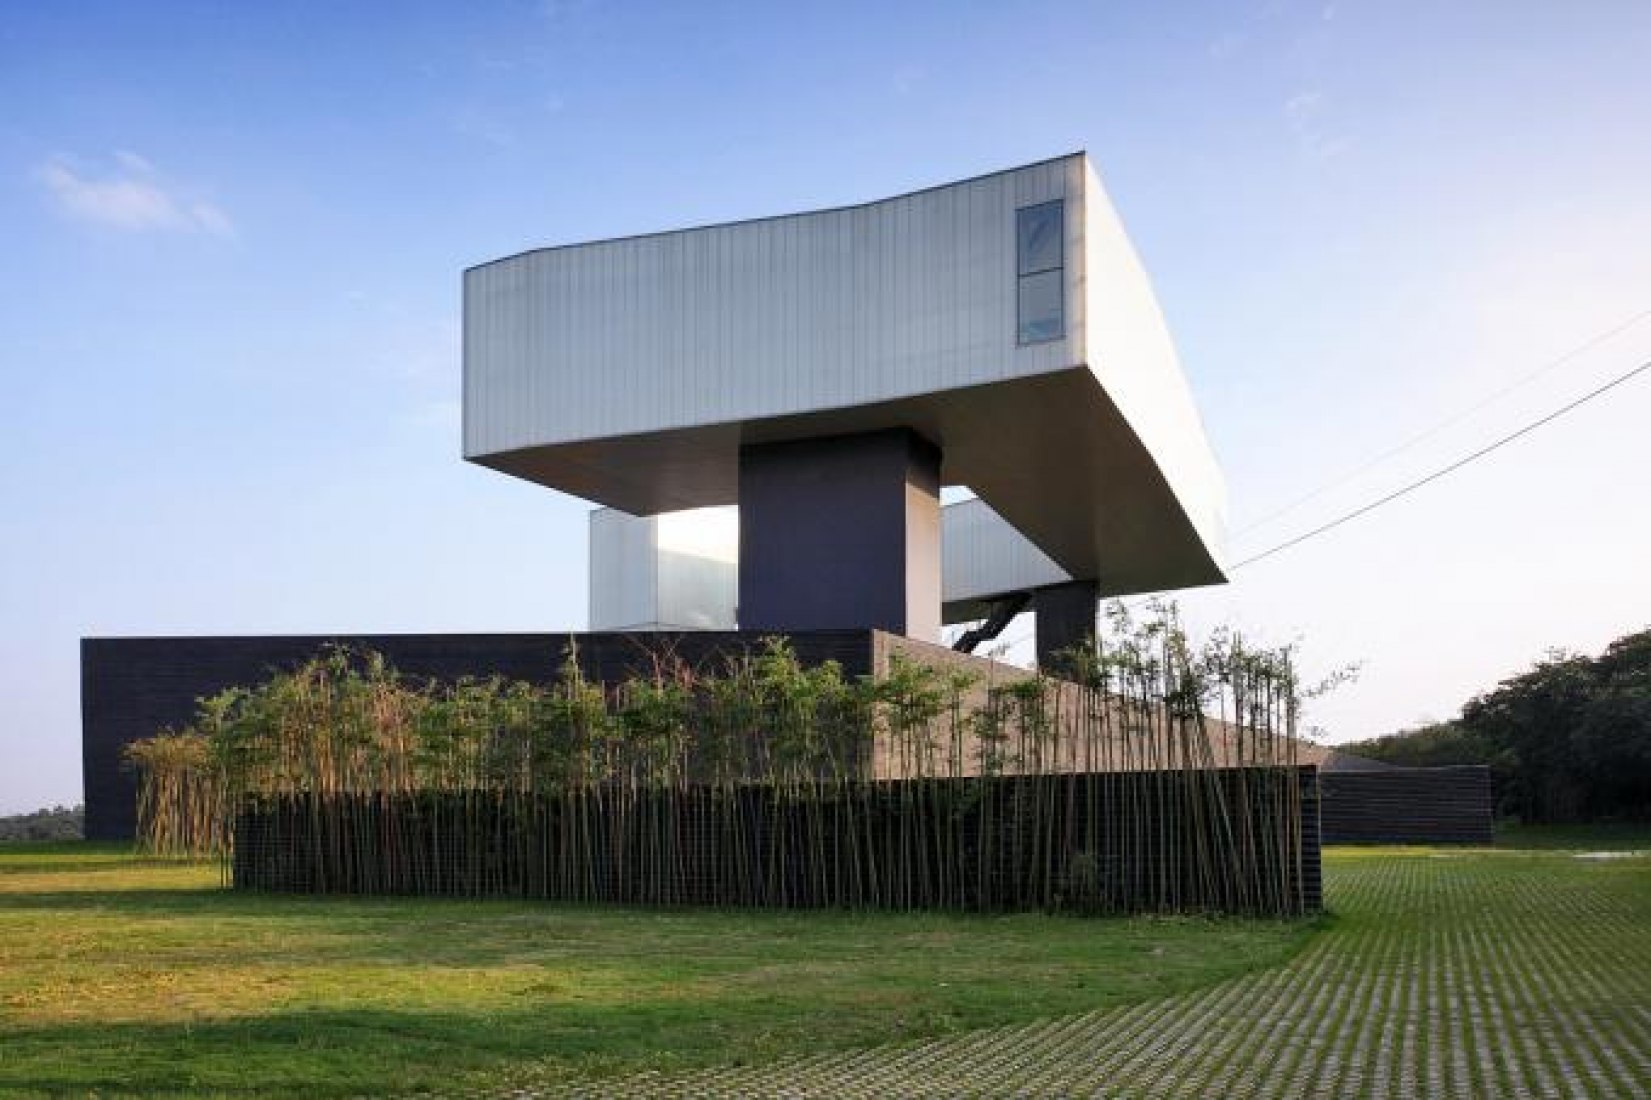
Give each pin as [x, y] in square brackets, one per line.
[1431, 746]
[57, 823]
[1568, 740]
[1535, 719]
[1613, 742]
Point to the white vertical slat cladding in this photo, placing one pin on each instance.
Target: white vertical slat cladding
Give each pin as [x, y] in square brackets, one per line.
[982, 557]
[679, 570]
[837, 308]
[624, 570]
[674, 571]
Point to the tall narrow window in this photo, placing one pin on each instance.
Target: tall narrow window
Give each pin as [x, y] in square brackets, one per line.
[1040, 254]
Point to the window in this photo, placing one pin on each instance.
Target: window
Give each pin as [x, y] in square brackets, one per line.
[1040, 306]
[1040, 248]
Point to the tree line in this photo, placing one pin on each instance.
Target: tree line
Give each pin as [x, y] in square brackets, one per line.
[1568, 740]
[55, 823]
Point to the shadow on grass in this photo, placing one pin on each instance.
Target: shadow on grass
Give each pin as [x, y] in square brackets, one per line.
[98, 867]
[193, 900]
[10, 848]
[345, 1053]
[183, 901]
[398, 994]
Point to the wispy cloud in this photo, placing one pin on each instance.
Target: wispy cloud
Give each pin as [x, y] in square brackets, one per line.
[1228, 45]
[445, 415]
[131, 195]
[409, 345]
[1303, 107]
[908, 77]
[486, 125]
[1308, 114]
[554, 10]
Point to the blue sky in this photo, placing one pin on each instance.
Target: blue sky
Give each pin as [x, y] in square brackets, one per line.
[233, 235]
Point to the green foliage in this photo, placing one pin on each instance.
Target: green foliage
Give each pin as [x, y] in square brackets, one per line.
[1437, 744]
[181, 803]
[636, 773]
[56, 823]
[1567, 741]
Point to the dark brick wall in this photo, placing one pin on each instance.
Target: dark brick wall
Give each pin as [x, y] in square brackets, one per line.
[1449, 805]
[131, 688]
[1312, 838]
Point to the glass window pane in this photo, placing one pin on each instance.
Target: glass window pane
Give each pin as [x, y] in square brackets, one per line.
[1039, 233]
[1042, 297]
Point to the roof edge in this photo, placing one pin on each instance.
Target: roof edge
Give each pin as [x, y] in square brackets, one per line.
[1084, 153]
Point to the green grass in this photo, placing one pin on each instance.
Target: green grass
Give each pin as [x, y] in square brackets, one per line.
[1450, 973]
[1613, 837]
[119, 974]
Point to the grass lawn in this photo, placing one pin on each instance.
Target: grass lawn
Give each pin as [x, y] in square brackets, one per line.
[125, 975]
[1615, 837]
[1524, 969]
[1446, 973]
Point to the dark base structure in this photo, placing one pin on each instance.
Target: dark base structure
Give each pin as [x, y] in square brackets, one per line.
[1088, 843]
[1392, 805]
[132, 688]
[1065, 622]
[841, 531]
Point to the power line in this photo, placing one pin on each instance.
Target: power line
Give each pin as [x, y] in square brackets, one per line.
[1405, 490]
[1448, 422]
[1452, 468]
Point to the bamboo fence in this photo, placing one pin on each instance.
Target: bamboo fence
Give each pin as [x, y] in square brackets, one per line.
[1159, 778]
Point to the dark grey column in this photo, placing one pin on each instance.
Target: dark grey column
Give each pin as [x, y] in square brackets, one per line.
[1065, 620]
[842, 532]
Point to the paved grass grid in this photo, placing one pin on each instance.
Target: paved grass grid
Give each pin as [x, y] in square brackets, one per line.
[1445, 974]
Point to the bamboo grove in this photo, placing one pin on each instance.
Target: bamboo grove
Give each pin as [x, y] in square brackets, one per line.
[1158, 776]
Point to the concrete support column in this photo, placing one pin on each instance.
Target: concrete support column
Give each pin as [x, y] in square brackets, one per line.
[842, 532]
[1065, 620]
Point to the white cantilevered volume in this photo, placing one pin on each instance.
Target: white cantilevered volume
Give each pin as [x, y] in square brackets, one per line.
[1004, 321]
